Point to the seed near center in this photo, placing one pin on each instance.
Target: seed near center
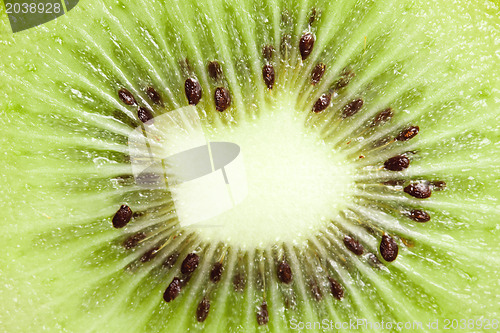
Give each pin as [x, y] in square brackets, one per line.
[296, 183]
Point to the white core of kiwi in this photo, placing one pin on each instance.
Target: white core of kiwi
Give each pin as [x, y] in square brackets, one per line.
[296, 183]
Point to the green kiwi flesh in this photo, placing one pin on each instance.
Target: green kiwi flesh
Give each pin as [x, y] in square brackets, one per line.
[369, 132]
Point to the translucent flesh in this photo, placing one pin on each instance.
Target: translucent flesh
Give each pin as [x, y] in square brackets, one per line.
[436, 64]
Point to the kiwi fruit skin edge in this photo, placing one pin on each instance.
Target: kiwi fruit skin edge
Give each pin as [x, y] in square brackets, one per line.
[369, 132]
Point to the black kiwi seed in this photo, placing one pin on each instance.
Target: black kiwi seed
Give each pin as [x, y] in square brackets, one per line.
[202, 310]
[150, 254]
[438, 185]
[216, 272]
[173, 290]
[190, 263]
[133, 240]
[407, 133]
[322, 103]
[263, 314]
[397, 163]
[193, 91]
[284, 272]
[215, 70]
[122, 216]
[268, 52]
[126, 96]
[144, 114]
[418, 190]
[154, 95]
[222, 99]
[315, 290]
[351, 108]
[419, 215]
[171, 260]
[317, 73]
[353, 245]
[336, 288]
[306, 45]
[382, 117]
[268, 76]
[239, 282]
[388, 248]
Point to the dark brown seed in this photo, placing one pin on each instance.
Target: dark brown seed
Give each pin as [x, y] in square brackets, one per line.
[126, 96]
[353, 245]
[306, 45]
[407, 133]
[388, 248]
[216, 272]
[322, 103]
[239, 282]
[154, 95]
[171, 260]
[268, 52]
[193, 91]
[150, 254]
[382, 117]
[284, 272]
[397, 163]
[215, 70]
[144, 114]
[202, 310]
[352, 108]
[315, 290]
[268, 76]
[190, 263]
[418, 190]
[313, 16]
[336, 288]
[133, 240]
[222, 99]
[263, 314]
[420, 215]
[438, 185]
[122, 216]
[173, 290]
[317, 73]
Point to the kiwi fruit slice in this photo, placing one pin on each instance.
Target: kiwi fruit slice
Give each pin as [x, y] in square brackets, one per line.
[369, 135]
